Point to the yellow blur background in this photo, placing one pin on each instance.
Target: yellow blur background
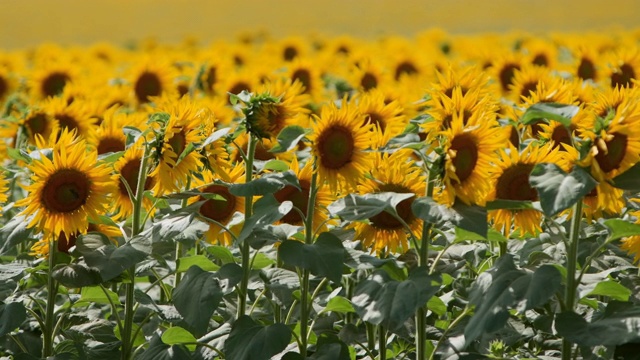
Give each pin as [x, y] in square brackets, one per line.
[24, 23]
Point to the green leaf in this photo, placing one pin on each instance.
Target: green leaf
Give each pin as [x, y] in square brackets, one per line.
[611, 289]
[187, 150]
[276, 165]
[221, 253]
[249, 340]
[219, 134]
[619, 229]
[266, 184]
[184, 263]
[628, 180]
[94, 294]
[506, 287]
[561, 113]
[11, 270]
[132, 134]
[14, 232]
[177, 335]
[469, 218]
[196, 298]
[138, 340]
[558, 190]
[436, 305]
[509, 205]
[619, 324]
[266, 211]
[338, 304]
[76, 275]
[12, 315]
[110, 157]
[323, 258]
[288, 138]
[160, 351]
[381, 300]
[100, 253]
[361, 207]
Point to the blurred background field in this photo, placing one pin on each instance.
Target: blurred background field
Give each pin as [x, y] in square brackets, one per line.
[82, 22]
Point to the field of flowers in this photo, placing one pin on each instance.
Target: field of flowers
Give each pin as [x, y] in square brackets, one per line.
[322, 197]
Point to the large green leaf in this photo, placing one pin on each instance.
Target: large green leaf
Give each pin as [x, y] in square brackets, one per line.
[561, 113]
[160, 351]
[618, 324]
[619, 229]
[506, 287]
[381, 300]
[266, 211]
[558, 190]
[14, 232]
[265, 184]
[12, 315]
[288, 138]
[196, 298]
[76, 275]
[249, 340]
[361, 207]
[467, 217]
[11, 270]
[100, 253]
[322, 258]
[611, 289]
[182, 225]
[628, 180]
[177, 335]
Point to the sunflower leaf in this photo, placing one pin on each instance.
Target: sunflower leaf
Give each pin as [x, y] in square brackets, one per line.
[14, 232]
[323, 258]
[196, 297]
[628, 180]
[620, 228]
[557, 189]
[266, 211]
[266, 184]
[288, 138]
[219, 134]
[76, 275]
[250, 340]
[469, 218]
[100, 253]
[187, 150]
[132, 134]
[361, 207]
[158, 350]
[561, 113]
[12, 315]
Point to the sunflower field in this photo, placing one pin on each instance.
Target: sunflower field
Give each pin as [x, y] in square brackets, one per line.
[322, 197]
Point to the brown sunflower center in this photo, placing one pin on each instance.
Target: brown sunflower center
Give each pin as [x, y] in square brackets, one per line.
[53, 84]
[386, 221]
[304, 77]
[528, 88]
[513, 184]
[67, 121]
[147, 85]
[4, 87]
[336, 147]
[239, 87]
[616, 150]
[110, 144]
[130, 172]
[375, 119]
[466, 155]
[37, 123]
[623, 77]
[66, 191]
[586, 69]
[211, 78]
[368, 81]
[506, 75]
[540, 60]
[514, 137]
[218, 209]
[405, 68]
[289, 53]
[560, 135]
[299, 198]
[183, 89]
[178, 142]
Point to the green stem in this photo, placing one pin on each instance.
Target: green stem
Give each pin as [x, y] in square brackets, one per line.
[136, 228]
[245, 250]
[446, 332]
[572, 260]
[371, 337]
[382, 343]
[421, 314]
[179, 245]
[52, 290]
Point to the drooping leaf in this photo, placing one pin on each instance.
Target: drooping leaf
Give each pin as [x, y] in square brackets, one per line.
[619, 229]
[619, 324]
[288, 138]
[249, 340]
[265, 184]
[322, 258]
[15, 231]
[506, 287]
[160, 351]
[196, 298]
[266, 211]
[76, 275]
[561, 113]
[361, 207]
[558, 190]
[12, 315]
[11, 270]
[100, 253]
[467, 217]
[381, 300]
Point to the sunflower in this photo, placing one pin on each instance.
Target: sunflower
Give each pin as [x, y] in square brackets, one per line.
[127, 168]
[67, 189]
[340, 141]
[65, 242]
[387, 118]
[152, 77]
[503, 69]
[186, 125]
[109, 135]
[391, 173]
[512, 183]
[308, 73]
[525, 81]
[221, 209]
[50, 79]
[300, 198]
[4, 187]
[38, 122]
[603, 200]
[368, 75]
[73, 116]
[586, 65]
[625, 68]
[470, 153]
[540, 52]
[631, 244]
[466, 78]
[7, 83]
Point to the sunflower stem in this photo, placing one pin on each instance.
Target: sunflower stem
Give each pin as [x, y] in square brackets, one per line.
[421, 313]
[136, 228]
[371, 337]
[382, 343]
[179, 245]
[52, 290]
[308, 239]
[572, 260]
[245, 250]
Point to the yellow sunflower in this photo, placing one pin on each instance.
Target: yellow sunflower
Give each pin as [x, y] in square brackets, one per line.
[512, 183]
[391, 173]
[631, 244]
[470, 154]
[339, 145]
[68, 189]
[603, 200]
[74, 116]
[50, 78]
[221, 210]
[65, 242]
[127, 168]
[184, 127]
[308, 73]
[386, 117]
[38, 122]
[109, 135]
[8, 84]
[625, 68]
[4, 187]
[152, 77]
